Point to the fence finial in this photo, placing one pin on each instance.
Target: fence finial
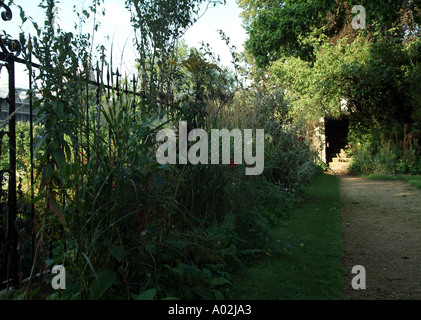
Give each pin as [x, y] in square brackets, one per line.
[29, 46]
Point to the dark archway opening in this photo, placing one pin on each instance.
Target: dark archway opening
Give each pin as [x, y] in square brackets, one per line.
[336, 133]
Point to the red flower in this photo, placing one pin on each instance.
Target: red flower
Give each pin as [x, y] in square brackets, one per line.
[299, 139]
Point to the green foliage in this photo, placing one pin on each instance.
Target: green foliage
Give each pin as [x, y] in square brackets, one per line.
[385, 153]
[23, 148]
[413, 180]
[158, 25]
[203, 89]
[369, 76]
[101, 283]
[322, 166]
[124, 226]
[146, 295]
[378, 83]
[276, 29]
[289, 158]
[413, 74]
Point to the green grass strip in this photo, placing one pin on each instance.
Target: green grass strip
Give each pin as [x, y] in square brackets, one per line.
[414, 180]
[378, 177]
[305, 263]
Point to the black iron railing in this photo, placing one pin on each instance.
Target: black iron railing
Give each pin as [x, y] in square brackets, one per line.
[10, 50]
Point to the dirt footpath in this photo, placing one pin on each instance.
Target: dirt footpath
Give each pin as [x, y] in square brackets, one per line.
[381, 223]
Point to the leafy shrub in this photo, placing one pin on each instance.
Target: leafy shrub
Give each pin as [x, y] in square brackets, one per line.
[386, 153]
[290, 162]
[321, 167]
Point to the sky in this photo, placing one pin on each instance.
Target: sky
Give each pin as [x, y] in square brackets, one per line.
[116, 26]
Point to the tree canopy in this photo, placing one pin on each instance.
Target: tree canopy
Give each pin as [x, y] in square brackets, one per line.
[277, 28]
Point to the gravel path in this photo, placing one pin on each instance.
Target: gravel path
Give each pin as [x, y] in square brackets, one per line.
[381, 223]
